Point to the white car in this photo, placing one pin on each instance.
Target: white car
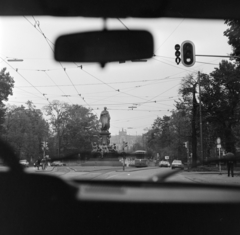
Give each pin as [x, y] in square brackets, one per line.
[57, 163]
[164, 164]
[24, 163]
[177, 164]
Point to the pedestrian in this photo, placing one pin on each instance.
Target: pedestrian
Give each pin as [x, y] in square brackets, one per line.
[38, 162]
[230, 163]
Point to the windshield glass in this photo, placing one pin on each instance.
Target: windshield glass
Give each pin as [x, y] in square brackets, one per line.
[99, 117]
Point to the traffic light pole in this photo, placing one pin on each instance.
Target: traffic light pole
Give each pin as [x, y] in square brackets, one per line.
[200, 111]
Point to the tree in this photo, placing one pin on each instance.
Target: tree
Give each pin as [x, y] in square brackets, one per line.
[220, 97]
[81, 126]
[58, 112]
[181, 122]
[6, 85]
[25, 129]
[233, 34]
[73, 127]
[161, 138]
[188, 92]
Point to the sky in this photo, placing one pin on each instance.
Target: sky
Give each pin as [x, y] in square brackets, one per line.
[151, 87]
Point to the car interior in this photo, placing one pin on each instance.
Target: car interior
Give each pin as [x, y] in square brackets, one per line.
[44, 204]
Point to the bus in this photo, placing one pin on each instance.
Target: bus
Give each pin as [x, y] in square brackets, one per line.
[140, 158]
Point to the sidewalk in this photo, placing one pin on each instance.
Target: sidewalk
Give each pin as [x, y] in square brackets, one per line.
[237, 173]
[34, 169]
[212, 177]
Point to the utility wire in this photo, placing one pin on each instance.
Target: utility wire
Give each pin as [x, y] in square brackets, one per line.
[170, 34]
[26, 79]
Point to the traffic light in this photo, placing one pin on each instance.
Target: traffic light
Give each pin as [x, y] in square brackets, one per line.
[185, 144]
[188, 53]
[177, 54]
[126, 144]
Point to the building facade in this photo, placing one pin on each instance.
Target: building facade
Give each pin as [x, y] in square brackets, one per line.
[124, 137]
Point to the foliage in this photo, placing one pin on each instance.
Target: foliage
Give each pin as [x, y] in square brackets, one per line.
[220, 97]
[168, 134]
[73, 127]
[233, 34]
[6, 86]
[25, 129]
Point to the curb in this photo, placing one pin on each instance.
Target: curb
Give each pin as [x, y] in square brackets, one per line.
[45, 170]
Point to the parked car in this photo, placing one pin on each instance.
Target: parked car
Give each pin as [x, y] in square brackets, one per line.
[177, 164]
[58, 163]
[24, 163]
[164, 164]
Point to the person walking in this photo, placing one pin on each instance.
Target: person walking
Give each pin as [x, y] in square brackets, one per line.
[230, 163]
[38, 162]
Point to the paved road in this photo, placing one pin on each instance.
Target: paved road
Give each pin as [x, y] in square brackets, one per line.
[117, 173]
[110, 173]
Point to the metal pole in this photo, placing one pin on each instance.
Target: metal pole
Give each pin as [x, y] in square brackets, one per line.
[58, 143]
[200, 111]
[219, 161]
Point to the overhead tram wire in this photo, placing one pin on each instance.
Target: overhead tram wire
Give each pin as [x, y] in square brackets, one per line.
[37, 23]
[158, 80]
[111, 86]
[64, 69]
[173, 65]
[172, 59]
[37, 96]
[170, 35]
[54, 82]
[47, 40]
[26, 80]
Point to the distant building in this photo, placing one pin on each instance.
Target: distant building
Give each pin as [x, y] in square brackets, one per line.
[124, 137]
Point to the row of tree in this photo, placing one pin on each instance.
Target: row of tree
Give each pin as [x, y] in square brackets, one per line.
[220, 110]
[66, 128]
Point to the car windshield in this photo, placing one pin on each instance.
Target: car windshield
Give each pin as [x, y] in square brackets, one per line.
[88, 122]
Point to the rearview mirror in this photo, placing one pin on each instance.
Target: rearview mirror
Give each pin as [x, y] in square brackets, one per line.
[104, 46]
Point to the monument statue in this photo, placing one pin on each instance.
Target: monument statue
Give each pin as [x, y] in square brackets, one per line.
[105, 120]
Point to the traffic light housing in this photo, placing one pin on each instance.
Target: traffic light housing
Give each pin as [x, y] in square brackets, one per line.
[188, 53]
[177, 54]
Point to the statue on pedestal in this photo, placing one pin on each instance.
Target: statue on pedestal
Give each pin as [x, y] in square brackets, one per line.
[105, 120]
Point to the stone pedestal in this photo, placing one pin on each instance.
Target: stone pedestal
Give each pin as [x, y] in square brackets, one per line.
[105, 138]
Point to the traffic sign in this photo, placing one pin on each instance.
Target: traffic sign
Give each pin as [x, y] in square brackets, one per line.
[219, 146]
[218, 140]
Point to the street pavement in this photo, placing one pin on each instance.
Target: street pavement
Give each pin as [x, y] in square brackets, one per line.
[133, 173]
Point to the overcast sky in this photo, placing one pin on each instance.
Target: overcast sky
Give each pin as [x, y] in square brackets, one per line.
[39, 77]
